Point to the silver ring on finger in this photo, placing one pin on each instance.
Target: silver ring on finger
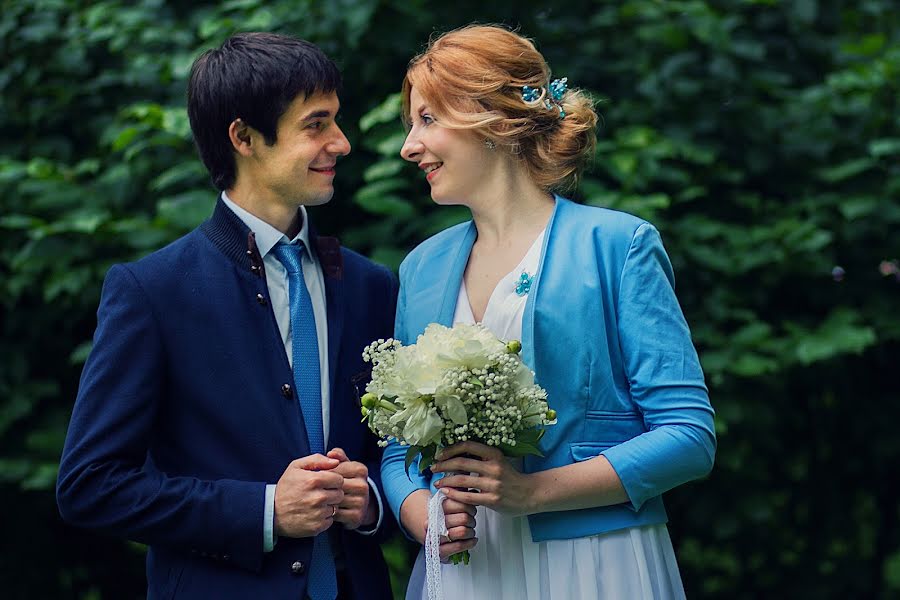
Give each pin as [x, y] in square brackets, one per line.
[333, 511]
[449, 539]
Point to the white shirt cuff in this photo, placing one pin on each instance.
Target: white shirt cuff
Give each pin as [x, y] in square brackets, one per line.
[377, 524]
[269, 519]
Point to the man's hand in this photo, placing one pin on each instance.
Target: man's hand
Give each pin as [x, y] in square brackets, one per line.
[355, 510]
[306, 495]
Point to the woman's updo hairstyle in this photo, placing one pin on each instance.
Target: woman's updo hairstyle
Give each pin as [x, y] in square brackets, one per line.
[472, 78]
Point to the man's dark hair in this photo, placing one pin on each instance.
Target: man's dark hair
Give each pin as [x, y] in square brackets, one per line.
[254, 77]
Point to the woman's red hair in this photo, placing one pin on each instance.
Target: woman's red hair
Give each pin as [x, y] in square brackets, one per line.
[472, 78]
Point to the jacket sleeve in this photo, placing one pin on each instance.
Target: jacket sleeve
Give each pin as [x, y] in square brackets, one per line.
[666, 381]
[374, 453]
[107, 480]
[397, 481]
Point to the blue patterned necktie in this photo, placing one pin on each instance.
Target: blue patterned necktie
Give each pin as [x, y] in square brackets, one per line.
[307, 379]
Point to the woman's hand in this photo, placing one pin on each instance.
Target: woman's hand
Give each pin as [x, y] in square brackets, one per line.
[460, 522]
[499, 485]
[459, 519]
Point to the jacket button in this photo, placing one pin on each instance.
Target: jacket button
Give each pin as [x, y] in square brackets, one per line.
[298, 568]
[261, 299]
[286, 390]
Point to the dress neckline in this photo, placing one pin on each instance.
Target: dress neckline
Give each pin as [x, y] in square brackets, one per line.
[505, 286]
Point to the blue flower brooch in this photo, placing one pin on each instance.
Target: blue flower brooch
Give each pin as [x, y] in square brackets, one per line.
[523, 284]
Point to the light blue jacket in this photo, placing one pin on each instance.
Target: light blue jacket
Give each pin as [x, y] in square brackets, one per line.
[605, 335]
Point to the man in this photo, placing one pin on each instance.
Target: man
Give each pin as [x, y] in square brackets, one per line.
[225, 364]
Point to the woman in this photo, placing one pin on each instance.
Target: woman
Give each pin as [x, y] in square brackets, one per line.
[589, 292]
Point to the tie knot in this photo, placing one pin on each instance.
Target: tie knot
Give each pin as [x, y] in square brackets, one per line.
[290, 256]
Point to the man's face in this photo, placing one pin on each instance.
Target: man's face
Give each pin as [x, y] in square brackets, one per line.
[299, 167]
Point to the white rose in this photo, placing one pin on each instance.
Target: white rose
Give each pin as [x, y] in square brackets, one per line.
[410, 376]
[467, 346]
[449, 402]
[422, 424]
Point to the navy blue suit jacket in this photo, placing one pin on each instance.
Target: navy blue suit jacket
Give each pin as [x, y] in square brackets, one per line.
[186, 410]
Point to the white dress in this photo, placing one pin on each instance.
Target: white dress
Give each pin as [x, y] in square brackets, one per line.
[637, 563]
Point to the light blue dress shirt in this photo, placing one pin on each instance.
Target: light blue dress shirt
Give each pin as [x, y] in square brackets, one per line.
[277, 282]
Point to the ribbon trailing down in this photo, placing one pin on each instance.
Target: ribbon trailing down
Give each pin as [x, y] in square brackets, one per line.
[437, 526]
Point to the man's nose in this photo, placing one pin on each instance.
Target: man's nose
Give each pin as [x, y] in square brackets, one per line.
[340, 145]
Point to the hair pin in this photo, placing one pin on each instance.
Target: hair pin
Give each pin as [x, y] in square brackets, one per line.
[534, 96]
[558, 88]
[530, 94]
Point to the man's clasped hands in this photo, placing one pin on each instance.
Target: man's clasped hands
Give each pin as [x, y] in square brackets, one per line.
[316, 491]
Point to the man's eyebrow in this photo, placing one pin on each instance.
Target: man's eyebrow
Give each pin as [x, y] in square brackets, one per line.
[318, 114]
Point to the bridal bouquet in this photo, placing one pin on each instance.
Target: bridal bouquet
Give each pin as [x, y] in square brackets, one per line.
[452, 385]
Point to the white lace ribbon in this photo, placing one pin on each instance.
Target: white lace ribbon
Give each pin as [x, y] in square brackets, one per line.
[437, 526]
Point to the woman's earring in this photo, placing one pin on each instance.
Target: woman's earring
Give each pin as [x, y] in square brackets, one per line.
[490, 144]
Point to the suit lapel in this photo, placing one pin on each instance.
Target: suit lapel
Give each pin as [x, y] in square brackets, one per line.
[328, 250]
[334, 296]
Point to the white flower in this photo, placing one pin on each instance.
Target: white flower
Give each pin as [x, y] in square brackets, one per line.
[422, 424]
[467, 346]
[408, 377]
[449, 401]
[523, 377]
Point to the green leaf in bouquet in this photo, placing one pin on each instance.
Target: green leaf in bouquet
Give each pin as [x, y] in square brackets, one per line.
[526, 444]
[520, 449]
[427, 459]
[411, 455]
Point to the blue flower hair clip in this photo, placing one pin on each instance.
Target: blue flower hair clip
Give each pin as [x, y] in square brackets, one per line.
[558, 88]
[530, 94]
[534, 96]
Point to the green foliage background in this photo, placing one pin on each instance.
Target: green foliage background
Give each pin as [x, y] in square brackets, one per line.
[762, 137]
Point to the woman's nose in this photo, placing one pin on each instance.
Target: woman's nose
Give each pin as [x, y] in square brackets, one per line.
[412, 147]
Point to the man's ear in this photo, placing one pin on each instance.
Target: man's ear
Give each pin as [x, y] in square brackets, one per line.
[241, 136]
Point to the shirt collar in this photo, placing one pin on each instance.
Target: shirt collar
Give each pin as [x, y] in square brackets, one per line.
[266, 235]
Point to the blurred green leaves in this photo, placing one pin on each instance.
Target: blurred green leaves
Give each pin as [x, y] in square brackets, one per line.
[762, 138]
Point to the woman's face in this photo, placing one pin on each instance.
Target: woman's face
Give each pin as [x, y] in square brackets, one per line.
[455, 161]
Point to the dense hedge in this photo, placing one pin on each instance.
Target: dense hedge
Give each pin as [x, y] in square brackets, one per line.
[761, 137]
